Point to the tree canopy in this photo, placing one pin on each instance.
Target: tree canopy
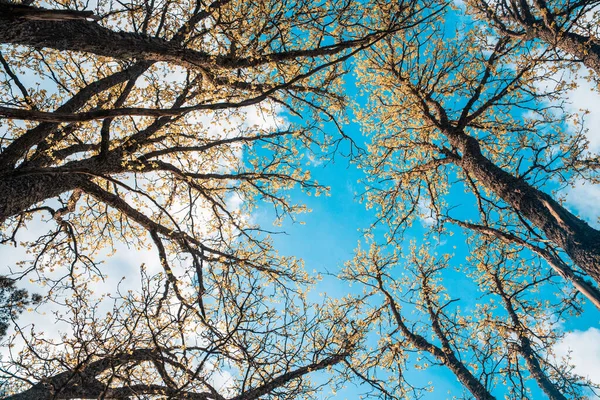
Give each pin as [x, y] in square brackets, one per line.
[168, 127]
[474, 110]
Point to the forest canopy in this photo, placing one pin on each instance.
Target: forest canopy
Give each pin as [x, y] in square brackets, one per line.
[148, 147]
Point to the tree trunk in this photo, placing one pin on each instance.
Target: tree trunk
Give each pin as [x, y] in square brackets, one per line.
[19, 193]
[580, 241]
[90, 37]
[584, 48]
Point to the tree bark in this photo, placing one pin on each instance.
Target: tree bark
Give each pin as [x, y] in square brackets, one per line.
[584, 48]
[26, 12]
[580, 241]
[90, 37]
[20, 192]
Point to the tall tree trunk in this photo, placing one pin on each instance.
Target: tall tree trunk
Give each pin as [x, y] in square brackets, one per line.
[90, 37]
[586, 49]
[580, 241]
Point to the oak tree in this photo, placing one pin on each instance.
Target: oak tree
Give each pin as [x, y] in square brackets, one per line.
[161, 126]
[253, 341]
[568, 29]
[497, 340]
[459, 109]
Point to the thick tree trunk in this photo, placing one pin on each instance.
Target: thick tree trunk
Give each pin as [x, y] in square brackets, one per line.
[21, 189]
[38, 392]
[19, 193]
[90, 37]
[580, 241]
[584, 48]
[26, 12]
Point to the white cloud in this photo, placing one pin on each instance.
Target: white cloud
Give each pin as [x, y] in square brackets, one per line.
[583, 98]
[582, 101]
[585, 198]
[583, 349]
[235, 202]
[312, 159]
[266, 116]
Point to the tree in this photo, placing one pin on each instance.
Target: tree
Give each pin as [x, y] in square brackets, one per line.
[147, 132]
[119, 146]
[569, 29]
[150, 345]
[468, 111]
[467, 130]
[495, 348]
[143, 133]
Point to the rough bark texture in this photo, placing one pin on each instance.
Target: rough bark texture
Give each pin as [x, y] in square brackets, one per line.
[580, 241]
[90, 37]
[26, 12]
[583, 48]
[19, 193]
